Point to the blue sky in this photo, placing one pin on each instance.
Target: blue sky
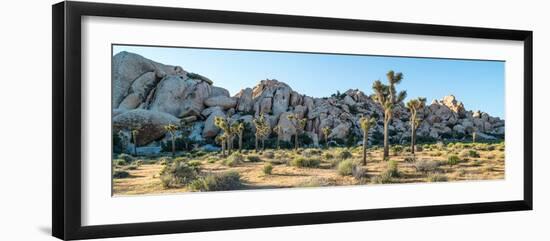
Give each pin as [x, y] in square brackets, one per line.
[478, 84]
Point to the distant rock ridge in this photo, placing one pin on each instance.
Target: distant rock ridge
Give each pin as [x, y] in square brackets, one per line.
[143, 88]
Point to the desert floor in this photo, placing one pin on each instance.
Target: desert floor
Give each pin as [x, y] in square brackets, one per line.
[433, 163]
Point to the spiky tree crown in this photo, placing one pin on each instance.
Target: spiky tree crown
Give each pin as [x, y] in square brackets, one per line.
[386, 95]
[366, 123]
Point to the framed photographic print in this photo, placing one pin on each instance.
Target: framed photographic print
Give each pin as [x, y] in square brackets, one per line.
[170, 120]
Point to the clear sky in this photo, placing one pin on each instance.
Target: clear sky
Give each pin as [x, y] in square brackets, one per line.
[478, 84]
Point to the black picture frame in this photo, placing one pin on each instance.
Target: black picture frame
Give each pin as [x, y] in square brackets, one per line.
[66, 166]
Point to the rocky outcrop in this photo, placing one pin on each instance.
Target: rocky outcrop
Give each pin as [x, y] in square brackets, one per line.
[221, 101]
[149, 124]
[142, 88]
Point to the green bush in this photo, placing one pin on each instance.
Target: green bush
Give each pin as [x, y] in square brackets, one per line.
[473, 153]
[311, 152]
[234, 159]
[120, 174]
[253, 158]
[453, 160]
[328, 156]
[137, 162]
[393, 170]
[127, 158]
[396, 149]
[437, 178]
[384, 178]
[178, 174]
[344, 154]
[345, 167]
[267, 169]
[305, 162]
[217, 182]
[119, 162]
[131, 167]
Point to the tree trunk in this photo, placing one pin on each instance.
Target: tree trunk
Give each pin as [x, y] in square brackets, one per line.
[296, 145]
[263, 144]
[223, 148]
[326, 141]
[173, 146]
[386, 144]
[256, 143]
[229, 145]
[365, 139]
[135, 145]
[240, 143]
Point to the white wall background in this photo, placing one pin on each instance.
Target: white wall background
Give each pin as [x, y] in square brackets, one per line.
[25, 96]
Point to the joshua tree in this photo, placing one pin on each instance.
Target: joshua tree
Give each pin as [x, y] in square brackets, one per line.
[387, 97]
[474, 135]
[279, 130]
[172, 129]
[414, 105]
[185, 128]
[223, 124]
[326, 133]
[262, 130]
[299, 125]
[134, 136]
[366, 123]
[238, 128]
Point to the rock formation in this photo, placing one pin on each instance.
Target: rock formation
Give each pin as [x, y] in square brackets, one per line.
[150, 94]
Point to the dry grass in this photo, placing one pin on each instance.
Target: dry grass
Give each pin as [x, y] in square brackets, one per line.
[489, 165]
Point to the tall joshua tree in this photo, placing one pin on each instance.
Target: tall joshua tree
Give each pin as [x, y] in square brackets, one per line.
[135, 132]
[326, 132]
[279, 131]
[222, 140]
[262, 130]
[238, 128]
[223, 124]
[299, 125]
[474, 135]
[172, 129]
[366, 123]
[414, 105]
[388, 98]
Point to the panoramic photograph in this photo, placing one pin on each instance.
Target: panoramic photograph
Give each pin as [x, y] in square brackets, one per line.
[200, 120]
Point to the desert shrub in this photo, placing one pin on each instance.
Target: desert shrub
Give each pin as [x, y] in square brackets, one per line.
[473, 153]
[120, 174]
[439, 145]
[426, 147]
[451, 145]
[384, 178]
[359, 172]
[461, 172]
[328, 156]
[458, 145]
[426, 166]
[478, 162]
[234, 159]
[267, 169]
[212, 159]
[305, 162]
[437, 178]
[119, 162]
[393, 170]
[437, 153]
[345, 167]
[131, 167]
[453, 160]
[314, 182]
[178, 173]
[217, 182]
[311, 152]
[396, 149]
[194, 163]
[137, 162]
[253, 158]
[344, 154]
[409, 159]
[419, 148]
[127, 158]
[269, 154]
[162, 162]
[464, 153]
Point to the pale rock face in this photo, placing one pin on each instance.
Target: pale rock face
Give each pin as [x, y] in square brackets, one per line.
[219, 91]
[210, 129]
[244, 102]
[295, 98]
[287, 128]
[300, 110]
[340, 131]
[281, 100]
[180, 97]
[349, 101]
[451, 102]
[264, 106]
[314, 137]
[221, 101]
[459, 129]
[150, 124]
[138, 91]
[206, 112]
